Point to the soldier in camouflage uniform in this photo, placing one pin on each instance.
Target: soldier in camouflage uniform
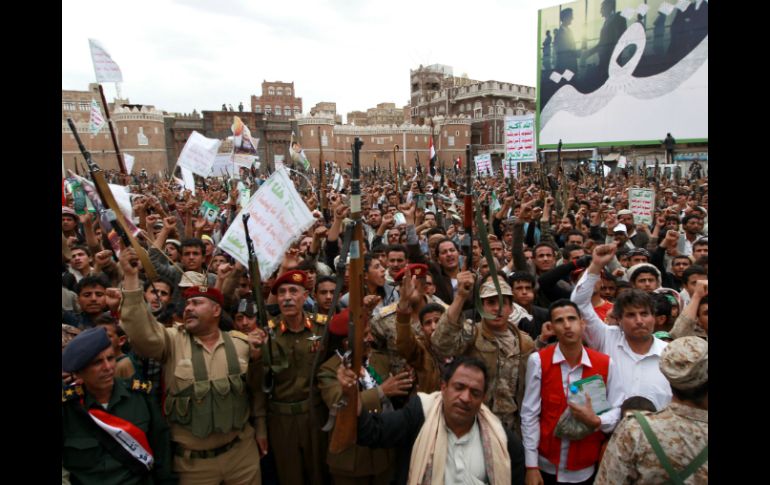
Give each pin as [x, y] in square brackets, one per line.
[384, 319]
[499, 343]
[679, 431]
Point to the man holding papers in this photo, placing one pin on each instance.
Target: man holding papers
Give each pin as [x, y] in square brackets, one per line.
[555, 374]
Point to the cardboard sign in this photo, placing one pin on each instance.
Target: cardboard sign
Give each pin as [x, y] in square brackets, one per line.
[642, 205]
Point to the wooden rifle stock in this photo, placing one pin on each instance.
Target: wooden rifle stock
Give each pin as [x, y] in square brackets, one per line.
[468, 215]
[345, 430]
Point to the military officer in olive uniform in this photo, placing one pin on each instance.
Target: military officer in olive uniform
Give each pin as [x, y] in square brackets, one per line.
[213, 392]
[298, 444]
[112, 430]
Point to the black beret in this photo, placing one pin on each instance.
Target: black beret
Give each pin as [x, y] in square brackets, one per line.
[84, 348]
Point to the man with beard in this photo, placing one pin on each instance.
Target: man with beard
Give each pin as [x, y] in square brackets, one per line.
[298, 444]
[214, 398]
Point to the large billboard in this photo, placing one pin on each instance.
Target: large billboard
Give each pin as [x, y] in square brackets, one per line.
[622, 72]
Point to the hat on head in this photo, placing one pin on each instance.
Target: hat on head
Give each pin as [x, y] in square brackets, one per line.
[631, 273]
[174, 242]
[69, 211]
[206, 238]
[245, 306]
[339, 323]
[294, 277]
[488, 289]
[84, 348]
[205, 291]
[418, 270]
[192, 278]
[620, 228]
[685, 362]
[625, 212]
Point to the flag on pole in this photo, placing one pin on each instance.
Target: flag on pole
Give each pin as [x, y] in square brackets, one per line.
[458, 165]
[107, 71]
[96, 122]
[432, 155]
[297, 153]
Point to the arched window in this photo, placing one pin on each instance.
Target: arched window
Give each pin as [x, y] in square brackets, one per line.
[279, 91]
[257, 108]
[271, 91]
[288, 91]
[278, 111]
[268, 109]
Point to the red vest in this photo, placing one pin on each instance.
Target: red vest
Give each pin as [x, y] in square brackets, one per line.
[582, 453]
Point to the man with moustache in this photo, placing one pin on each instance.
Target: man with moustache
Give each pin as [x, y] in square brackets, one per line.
[214, 398]
[298, 444]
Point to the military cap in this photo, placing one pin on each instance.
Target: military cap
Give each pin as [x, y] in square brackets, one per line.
[84, 348]
[294, 277]
[205, 291]
[685, 362]
[339, 323]
[488, 289]
[418, 270]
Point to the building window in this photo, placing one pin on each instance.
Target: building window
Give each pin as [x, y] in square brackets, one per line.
[268, 109]
[156, 130]
[311, 132]
[297, 110]
[466, 133]
[391, 139]
[125, 130]
[288, 91]
[279, 91]
[278, 111]
[457, 132]
[257, 108]
[141, 139]
[68, 106]
[347, 139]
[85, 106]
[451, 141]
[287, 110]
[271, 91]
[416, 139]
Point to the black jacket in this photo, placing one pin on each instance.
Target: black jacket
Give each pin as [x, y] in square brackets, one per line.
[399, 429]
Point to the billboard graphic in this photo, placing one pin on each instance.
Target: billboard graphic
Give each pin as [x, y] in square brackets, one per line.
[622, 72]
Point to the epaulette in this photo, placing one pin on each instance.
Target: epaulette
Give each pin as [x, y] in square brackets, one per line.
[271, 324]
[387, 310]
[141, 386]
[239, 335]
[320, 318]
[72, 392]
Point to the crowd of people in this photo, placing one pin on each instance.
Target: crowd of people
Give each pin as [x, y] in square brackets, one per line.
[569, 345]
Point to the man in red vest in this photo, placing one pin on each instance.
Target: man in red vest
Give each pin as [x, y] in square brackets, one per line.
[551, 373]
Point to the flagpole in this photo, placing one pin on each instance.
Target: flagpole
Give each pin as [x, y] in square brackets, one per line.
[112, 131]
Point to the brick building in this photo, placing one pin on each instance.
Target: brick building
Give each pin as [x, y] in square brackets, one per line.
[327, 110]
[450, 137]
[278, 101]
[139, 129]
[382, 114]
[357, 118]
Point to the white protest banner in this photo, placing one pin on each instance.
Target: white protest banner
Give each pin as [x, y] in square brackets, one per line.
[188, 180]
[123, 198]
[607, 170]
[277, 217]
[642, 205]
[278, 161]
[484, 164]
[96, 121]
[520, 138]
[223, 166]
[622, 161]
[198, 154]
[129, 159]
[107, 71]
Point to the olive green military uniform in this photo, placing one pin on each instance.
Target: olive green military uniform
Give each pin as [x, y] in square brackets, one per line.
[383, 324]
[416, 350]
[86, 461]
[299, 445]
[682, 432]
[506, 362]
[357, 464]
[211, 395]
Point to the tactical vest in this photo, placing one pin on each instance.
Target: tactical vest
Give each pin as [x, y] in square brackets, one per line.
[211, 406]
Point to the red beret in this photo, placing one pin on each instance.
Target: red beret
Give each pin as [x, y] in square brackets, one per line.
[294, 277]
[339, 323]
[418, 270]
[206, 292]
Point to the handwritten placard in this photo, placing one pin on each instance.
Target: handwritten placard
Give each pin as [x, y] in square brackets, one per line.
[642, 205]
[520, 138]
[484, 165]
[198, 154]
[277, 217]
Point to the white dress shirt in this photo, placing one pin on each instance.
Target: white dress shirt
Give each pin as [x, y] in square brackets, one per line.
[639, 374]
[465, 458]
[531, 405]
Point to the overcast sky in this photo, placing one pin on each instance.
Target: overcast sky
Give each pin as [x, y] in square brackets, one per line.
[197, 54]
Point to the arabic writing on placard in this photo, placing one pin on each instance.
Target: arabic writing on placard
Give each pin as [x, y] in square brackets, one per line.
[641, 202]
[520, 138]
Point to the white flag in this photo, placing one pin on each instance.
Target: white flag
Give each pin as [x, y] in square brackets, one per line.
[129, 159]
[97, 120]
[107, 71]
[198, 154]
[188, 180]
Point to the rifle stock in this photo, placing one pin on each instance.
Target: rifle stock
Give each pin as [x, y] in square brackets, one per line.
[346, 428]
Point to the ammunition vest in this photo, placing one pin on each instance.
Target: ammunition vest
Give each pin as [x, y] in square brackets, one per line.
[211, 406]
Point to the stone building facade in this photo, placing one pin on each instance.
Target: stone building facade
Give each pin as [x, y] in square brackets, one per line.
[278, 101]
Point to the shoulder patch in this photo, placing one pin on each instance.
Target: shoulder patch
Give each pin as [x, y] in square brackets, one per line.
[70, 393]
[239, 335]
[141, 386]
[320, 318]
[387, 310]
